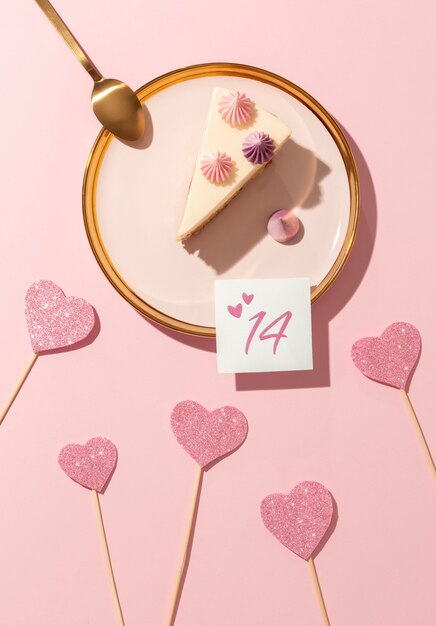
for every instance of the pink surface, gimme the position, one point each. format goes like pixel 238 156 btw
pixel 371 66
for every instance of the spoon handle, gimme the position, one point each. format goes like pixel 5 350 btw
pixel 69 38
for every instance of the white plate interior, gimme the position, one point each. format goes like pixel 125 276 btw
pixel 141 194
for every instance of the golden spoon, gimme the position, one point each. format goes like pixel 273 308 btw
pixel 116 106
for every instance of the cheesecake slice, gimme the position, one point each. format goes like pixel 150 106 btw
pixel 240 138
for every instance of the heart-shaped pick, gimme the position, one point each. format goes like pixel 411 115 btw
pixel 205 435
pixel 390 358
pixel 300 519
pixel 90 465
pixel 55 321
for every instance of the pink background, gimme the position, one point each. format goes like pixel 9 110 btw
pixel 372 68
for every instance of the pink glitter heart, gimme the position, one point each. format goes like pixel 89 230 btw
pixel 300 519
pixel 389 359
pixel 53 320
pixel 205 435
pixel 247 297
pixel 235 310
pixel 90 465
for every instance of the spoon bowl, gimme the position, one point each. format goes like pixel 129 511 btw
pixel 115 105
pixel 118 108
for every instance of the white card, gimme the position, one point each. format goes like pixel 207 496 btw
pixel 263 325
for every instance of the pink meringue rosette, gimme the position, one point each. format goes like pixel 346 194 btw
pixel 236 109
pixel 283 225
pixel 216 167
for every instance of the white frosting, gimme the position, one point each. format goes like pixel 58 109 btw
pixel 205 199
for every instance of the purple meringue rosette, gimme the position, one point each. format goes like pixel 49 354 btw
pixel 258 147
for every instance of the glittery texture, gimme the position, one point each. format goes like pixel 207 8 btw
pixel 53 320
pixel 301 519
pixel 235 108
pixel 216 167
pixel 389 359
pixel 90 465
pixel 205 435
pixel 258 148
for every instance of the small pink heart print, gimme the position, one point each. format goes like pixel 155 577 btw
pixel 300 519
pixel 205 435
pixel 390 358
pixel 53 320
pixel 247 297
pixel 235 310
pixel 90 465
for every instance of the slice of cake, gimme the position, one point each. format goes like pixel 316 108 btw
pixel 239 140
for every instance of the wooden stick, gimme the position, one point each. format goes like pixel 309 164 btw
pixel 188 538
pixel 110 571
pixel 18 386
pixel 318 591
pixel 419 431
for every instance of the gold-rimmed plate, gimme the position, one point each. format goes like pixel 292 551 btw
pixel 133 199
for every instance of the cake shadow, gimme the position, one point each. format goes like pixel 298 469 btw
pixel 334 300
pixel 291 180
